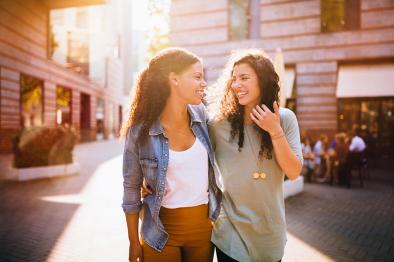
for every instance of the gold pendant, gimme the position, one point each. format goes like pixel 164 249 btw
pixel 261 175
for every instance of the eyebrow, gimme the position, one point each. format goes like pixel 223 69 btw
pixel 241 75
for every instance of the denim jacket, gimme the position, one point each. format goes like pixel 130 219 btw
pixel 149 161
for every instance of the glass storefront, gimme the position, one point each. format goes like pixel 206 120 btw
pixel 63 106
pixel 374 117
pixel 31 101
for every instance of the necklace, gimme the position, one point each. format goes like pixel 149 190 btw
pixel 256 175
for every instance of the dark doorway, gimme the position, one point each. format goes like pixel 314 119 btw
pixel 85 117
pixel 120 115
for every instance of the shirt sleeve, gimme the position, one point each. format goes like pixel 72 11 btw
pixel 209 119
pixel 292 133
pixel 132 176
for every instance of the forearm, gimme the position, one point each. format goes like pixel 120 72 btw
pixel 286 158
pixel 132 227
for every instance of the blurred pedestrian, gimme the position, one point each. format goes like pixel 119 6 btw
pixel 168 147
pixel 309 164
pixel 320 154
pixel 256 144
pixel 342 174
pixel 357 144
pixel 357 150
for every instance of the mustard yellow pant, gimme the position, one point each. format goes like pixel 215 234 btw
pixel 189 232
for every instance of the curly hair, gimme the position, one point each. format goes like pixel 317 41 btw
pixel 233 112
pixel 152 88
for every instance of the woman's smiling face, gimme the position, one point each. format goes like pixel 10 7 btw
pixel 190 85
pixel 245 85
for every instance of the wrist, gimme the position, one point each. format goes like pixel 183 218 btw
pixel 134 240
pixel 275 132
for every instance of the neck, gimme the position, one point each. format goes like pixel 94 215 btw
pixel 174 114
pixel 248 110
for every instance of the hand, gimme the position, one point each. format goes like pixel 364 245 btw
pixel 265 119
pixel 135 252
pixel 145 190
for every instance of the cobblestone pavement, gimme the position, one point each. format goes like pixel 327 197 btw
pixel 79 218
pixel 342 224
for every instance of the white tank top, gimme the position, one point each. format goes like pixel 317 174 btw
pixel 187 177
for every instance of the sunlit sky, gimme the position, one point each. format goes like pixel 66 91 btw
pixel 141 17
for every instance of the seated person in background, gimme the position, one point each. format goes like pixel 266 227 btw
pixel 357 144
pixel 356 149
pixel 309 164
pixel 319 151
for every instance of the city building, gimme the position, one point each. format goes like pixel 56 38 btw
pixel 339 55
pixel 64 63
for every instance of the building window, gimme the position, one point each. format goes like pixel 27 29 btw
pixel 69 41
pixel 244 19
pixel 78 51
pixel 374 117
pixel 340 15
pixel 239 19
pixel 82 18
pixel 31 101
pixel 63 106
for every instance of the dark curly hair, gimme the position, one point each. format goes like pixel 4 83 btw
pixel 152 88
pixel 233 112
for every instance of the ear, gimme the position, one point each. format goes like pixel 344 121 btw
pixel 173 78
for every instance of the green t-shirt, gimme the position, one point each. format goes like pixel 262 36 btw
pixel 251 225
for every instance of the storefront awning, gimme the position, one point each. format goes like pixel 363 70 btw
pixel 289 81
pixel 365 81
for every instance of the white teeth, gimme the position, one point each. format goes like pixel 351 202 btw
pixel 241 93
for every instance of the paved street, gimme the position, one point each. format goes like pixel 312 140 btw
pixel 342 224
pixel 79 218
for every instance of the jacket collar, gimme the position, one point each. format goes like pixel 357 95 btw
pixel 157 129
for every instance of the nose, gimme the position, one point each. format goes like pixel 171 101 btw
pixel 234 85
pixel 204 83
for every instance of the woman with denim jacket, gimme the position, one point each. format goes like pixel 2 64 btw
pixel 256 143
pixel 167 146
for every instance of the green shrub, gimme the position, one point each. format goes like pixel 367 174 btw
pixel 44 146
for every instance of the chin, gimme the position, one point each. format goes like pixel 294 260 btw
pixel 243 102
pixel 195 102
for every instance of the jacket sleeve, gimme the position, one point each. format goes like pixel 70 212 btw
pixel 132 175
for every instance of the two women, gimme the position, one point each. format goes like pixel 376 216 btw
pixel 255 144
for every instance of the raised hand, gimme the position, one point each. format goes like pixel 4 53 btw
pixel 265 119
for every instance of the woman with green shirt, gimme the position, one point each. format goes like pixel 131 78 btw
pixel 256 143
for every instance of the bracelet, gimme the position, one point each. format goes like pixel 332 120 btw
pixel 278 135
